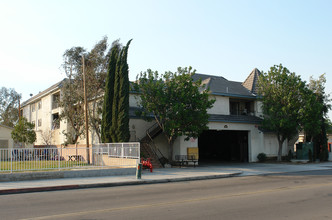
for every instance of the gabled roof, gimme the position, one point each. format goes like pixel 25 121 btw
pixel 252 80
pixel 220 86
pixel 45 92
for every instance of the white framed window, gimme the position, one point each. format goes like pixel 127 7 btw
pixel 40 104
pixel 55 121
pixel 39 122
pixel 33 106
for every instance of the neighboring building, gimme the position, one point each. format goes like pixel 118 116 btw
pixel 301 139
pixel 233 134
pixel 6 140
pixel 43 111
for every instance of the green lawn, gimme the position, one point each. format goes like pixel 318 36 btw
pixel 6 166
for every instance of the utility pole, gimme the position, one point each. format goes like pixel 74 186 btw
pixel 86 115
pixel 19 109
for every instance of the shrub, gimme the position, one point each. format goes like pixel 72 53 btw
pixel 261 157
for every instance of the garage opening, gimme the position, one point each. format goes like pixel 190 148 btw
pixel 223 146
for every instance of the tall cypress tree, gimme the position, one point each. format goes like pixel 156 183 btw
pixel 115 116
pixel 114 127
pixel 122 132
pixel 106 122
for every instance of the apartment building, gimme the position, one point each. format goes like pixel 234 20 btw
pixel 43 111
pixel 233 135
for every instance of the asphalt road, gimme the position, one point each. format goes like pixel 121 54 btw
pixel 303 195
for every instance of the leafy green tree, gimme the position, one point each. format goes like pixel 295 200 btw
pixel 72 101
pixel 329 126
pixel 9 100
pixel 178 104
pixel 24 132
pixel 96 65
pixel 321 100
pixel 311 115
pixel 282 95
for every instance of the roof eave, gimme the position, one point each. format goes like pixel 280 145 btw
pixel 233 95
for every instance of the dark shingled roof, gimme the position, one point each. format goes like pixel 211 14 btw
pixel 220 86
pixel 235 118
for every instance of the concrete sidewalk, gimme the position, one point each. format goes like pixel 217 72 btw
pixel 159 176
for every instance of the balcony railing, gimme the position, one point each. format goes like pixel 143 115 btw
pixel 55 105
pixel 242 112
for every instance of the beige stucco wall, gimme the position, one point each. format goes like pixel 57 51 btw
pixel 138 128
pixel 258 109
pixel 5 135
pixel 45 114
pixel 105 160
pixel 271 145
pixel 221 105
pixel 133 100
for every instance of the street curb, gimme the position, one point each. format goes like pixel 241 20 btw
pixel 124 183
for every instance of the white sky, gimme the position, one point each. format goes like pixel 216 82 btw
pixel 224 38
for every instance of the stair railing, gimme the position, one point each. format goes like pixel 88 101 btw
pixel 154 129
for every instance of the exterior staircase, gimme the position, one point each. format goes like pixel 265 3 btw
pixel 148 148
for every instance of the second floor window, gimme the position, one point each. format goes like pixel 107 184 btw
pixel 55 101
pixel 39 122
pixel 34 124
pixel 33 107
pixel 241 107
pixel 40 104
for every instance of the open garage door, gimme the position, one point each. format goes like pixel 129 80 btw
pixel 223 146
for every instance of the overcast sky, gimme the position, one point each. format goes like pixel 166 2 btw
pixel 223 38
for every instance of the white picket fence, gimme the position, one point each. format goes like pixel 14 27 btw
pixel 59 157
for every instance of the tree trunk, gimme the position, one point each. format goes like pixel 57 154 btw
pixel 170 150
pixel 280 141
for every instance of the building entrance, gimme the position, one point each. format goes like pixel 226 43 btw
pixel 223 146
